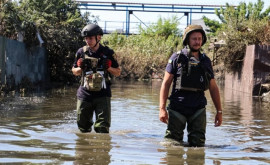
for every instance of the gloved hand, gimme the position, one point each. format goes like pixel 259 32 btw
pixel 107 63
pixel 80 63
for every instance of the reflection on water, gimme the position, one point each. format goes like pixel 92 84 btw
pixel 177 154
pixel 42 129
pixel 93 149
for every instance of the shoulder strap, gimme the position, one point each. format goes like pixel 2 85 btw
pixel 85 50
pixel 184 53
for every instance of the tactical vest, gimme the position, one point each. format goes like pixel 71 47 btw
pixel 191 74
pixel 95 76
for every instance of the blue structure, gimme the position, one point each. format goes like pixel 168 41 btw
pixel 187 10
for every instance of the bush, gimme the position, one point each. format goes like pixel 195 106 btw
pixel 144 55
pixel 141 56
pixel 242 26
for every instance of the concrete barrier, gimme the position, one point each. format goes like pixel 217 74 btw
pixel 255 71
pixel 17 62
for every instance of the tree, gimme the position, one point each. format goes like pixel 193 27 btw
pixel 59 23
pixel 236 16
pixel 9 19
pixel 213 25
pixel 163 27
pixel 242 25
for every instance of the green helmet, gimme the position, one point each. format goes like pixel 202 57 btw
pixel 91 30
pixel 193 28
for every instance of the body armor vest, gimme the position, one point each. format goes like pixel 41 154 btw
pixel 94 77
pixel 191 74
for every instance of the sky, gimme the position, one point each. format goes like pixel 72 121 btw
pixel 112 20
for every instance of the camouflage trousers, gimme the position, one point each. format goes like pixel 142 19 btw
pixel 101 107
pixel 196 127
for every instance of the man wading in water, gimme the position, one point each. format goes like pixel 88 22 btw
pixel 191 73
pixel 94 63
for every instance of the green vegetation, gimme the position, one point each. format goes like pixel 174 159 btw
pixel 240 26
pixel 146 55
pixel 214 26
pixel 141 56
pixel 59 23
pixel 163 27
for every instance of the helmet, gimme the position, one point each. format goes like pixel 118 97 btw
pixel 91 30
pixel 192 28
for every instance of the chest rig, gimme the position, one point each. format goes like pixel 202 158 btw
pixel 94 76
pixel 191 73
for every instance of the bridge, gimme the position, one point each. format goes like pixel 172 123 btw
pixel 130 8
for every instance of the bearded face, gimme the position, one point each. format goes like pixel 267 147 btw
pixel 195 41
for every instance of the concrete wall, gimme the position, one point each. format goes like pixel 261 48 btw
pixel 18 61
pixel 256 68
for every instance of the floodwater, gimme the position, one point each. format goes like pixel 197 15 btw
pixel 42 129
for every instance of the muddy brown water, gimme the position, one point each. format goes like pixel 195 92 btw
pixel 41 129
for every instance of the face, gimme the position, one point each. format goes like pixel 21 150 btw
pixel 195 41
pixel 91 41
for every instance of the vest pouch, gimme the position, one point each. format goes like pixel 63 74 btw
pixel 93 81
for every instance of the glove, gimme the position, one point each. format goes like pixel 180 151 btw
pixel 108 63
pixel 80 63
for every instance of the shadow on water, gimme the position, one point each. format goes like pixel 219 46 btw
pixel 41 129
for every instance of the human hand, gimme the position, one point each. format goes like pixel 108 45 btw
pixel 77 71
pixel 80 63
pixel 218 119
pixel 163 115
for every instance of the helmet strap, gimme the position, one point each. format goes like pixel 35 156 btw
pixel 97 41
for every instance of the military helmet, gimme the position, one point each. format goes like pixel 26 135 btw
pixel 91 30
pixel 192 28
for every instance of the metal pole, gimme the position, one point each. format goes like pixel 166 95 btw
pixel 186 14
pixel 140 20
pixel 190 22
pixel 127 21
pixel 105 31
pixel 123 27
